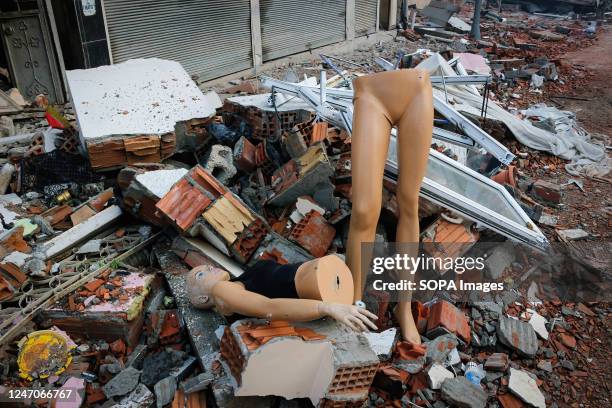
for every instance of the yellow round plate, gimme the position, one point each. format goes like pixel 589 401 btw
pixel 43 353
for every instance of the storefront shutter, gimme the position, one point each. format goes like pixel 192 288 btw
pixel 210 38
pixel 290 26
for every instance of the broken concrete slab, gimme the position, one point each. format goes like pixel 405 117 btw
pixel 159 182
pixel 122 383
pixel 107 319
pixel 436 375
pixel 137 111
pixel 460 392
pixel 137 97
pixel 200 324
pixel 197 383
pixel 517 335
pixel 523 386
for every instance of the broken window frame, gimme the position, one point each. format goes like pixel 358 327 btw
pixel 528 233
pixel 332 105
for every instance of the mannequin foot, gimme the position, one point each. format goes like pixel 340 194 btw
pixel 403 314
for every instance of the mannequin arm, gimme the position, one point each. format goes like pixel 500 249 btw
pixel 235 299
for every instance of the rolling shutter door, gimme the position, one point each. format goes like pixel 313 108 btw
pixel 365 17
pixel 210 38
pixel 290 26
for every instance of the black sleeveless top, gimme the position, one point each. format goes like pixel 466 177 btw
pixel 270 279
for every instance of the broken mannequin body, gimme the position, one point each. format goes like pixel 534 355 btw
pixel 401 98
pixel 297 292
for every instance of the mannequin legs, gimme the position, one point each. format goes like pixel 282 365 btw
pixel 402 98
pixel 414 141
pixel 369 145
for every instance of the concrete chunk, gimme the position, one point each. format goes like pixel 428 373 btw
pixel 517 335
pixel 440 347
pixel 141 397
pixel 122 383
pixel 573 234
pixel 164 391
pixel 460 392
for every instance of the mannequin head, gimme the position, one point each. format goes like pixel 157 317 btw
pixel 200 282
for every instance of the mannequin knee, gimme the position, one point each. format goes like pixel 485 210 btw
pixel 364 215
pixel 408 204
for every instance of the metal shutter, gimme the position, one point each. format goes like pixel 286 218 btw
pixel 210 38
pixel 290 26
pixel 365 17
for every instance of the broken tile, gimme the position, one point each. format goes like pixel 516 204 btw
pixel 77 387
pixel 568 340
pixel 538 322
pixel 526 388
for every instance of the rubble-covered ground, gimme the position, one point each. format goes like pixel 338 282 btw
pixel 118 349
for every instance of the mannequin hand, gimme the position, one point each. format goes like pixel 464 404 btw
pixel 357 318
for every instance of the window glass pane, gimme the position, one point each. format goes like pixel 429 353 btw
pixel 465 185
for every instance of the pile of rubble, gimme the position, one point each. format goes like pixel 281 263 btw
pixel 102 224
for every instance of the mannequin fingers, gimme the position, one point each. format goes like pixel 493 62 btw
pixel 367 321
pixel 358 323
pixel 349 323
pixel 368 314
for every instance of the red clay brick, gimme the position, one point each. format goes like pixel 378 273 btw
pixel 313 233
pixel 443 314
